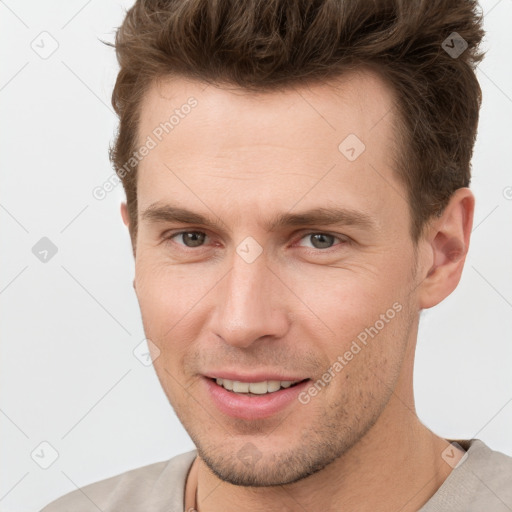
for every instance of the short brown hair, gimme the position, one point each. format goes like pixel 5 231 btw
pixel 264 45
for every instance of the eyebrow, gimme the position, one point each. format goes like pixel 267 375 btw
pixel 157 213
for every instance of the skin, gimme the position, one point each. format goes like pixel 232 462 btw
pixel 241 158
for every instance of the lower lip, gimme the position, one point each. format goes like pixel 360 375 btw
pixel 252 407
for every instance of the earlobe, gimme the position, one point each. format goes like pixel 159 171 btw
pixel 448 240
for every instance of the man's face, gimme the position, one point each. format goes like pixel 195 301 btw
pixel 238 300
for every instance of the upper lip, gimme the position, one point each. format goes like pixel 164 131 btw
pixel 253 377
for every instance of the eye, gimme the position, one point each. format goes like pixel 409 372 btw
pixel 318 240
pixel 190 239
pixel 322 240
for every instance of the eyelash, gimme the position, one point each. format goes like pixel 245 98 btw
pixel 341 238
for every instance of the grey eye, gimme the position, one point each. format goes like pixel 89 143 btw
pixel 192 238
pixel 321 240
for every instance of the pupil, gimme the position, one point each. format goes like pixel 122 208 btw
pixel 322 237
pixel 194 237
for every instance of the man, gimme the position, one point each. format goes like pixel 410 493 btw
pixel 297 177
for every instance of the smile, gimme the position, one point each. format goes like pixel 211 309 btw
pixel 255 388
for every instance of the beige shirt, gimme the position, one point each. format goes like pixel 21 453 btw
pixel 481 482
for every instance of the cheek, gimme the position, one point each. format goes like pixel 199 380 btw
pixel 174 302
pixel 365 322
pixel 367 364
pixel 168 293
pixel 347 301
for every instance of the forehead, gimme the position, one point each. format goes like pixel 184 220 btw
pixel 269 146
pixel 353 103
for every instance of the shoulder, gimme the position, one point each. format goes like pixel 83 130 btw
pixel 481 481
pixel 158 486
pixel 492 469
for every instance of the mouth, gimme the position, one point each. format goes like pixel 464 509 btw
pixel 254 400
pixel 255 388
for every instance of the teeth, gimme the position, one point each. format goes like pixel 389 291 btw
pixel 273 385
pixel 257 388
pixel 240 387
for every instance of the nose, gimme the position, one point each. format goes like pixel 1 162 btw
pixel 250 305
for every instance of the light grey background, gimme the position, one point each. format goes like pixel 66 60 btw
pixel 68 375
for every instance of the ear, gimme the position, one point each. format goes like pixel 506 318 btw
pixel 124 214
pixel 126 221
pixel 447 239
